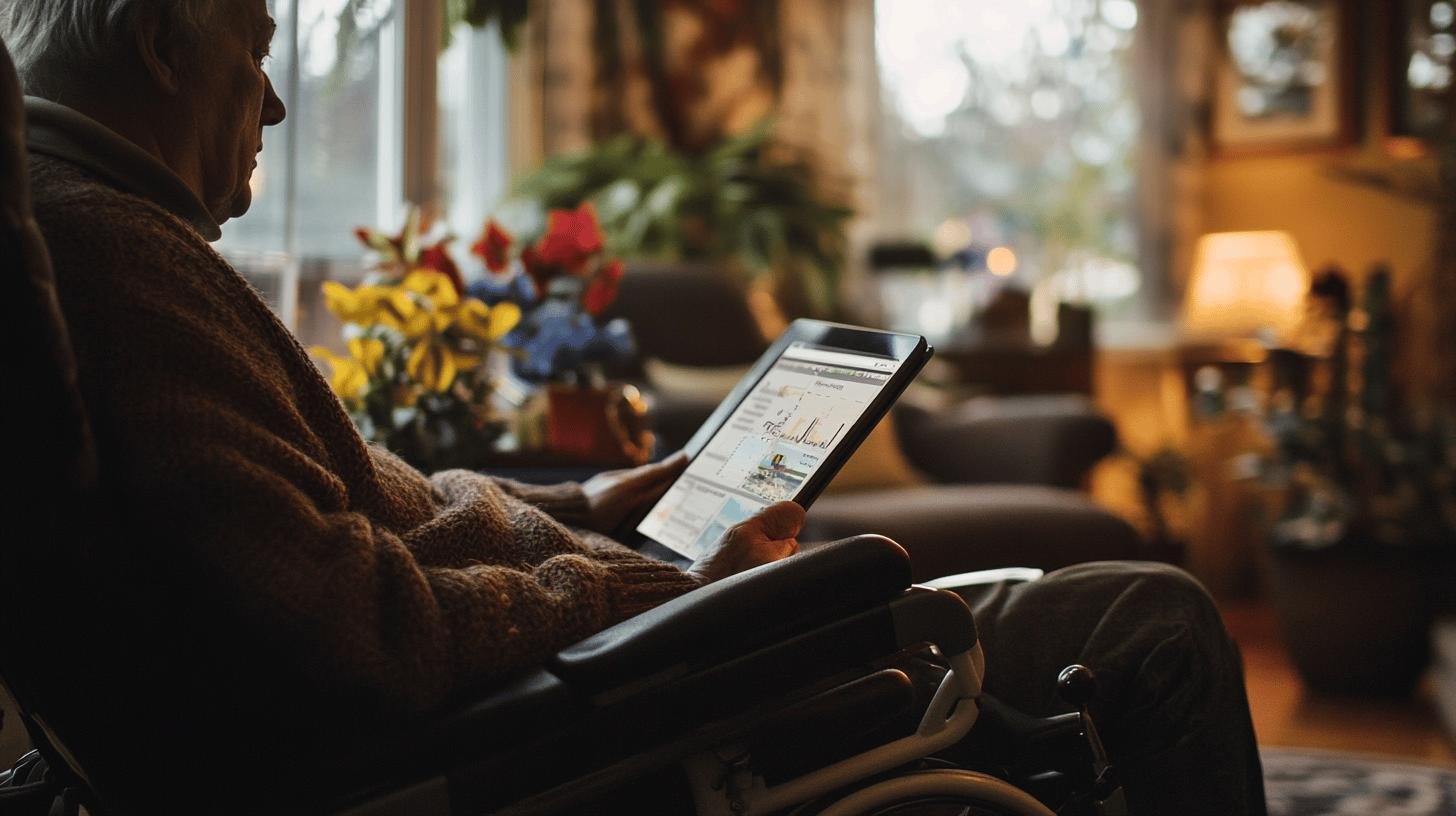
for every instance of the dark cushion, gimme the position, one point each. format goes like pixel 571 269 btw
pixel 949 529
pixel 1049 440
pixel 689 314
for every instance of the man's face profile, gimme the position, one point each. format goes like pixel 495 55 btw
pixel 234 101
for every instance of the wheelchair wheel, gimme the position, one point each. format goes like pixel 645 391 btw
pixel 939 792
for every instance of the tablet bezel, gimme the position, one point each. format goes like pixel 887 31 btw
pixel 911 350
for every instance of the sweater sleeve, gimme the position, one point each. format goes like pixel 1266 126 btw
pixel 228 461
pixel 564 502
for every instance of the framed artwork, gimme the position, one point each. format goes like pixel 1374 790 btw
pixel 1284 76
pixel 1423 57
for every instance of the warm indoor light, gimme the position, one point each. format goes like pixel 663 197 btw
pixel 952 236
pixel 1001 261
pixel 1246 284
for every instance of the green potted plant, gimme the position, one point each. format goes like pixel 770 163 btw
pixel 741 203
pixel 1364 521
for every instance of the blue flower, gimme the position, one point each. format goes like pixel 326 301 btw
pixel 515 287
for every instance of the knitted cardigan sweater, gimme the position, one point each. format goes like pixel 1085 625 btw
pixel 246 494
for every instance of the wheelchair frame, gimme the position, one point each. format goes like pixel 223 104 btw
pixel 660 662
pixel 714 757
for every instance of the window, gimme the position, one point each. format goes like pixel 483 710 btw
pixel 1008 137
pixel 473 137
pixel 339 160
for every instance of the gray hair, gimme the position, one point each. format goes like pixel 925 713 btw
pixel 54 42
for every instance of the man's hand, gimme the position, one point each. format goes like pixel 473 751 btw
pixel 767 536
pixel 613 495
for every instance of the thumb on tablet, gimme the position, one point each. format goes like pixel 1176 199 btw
pixel 780 520
pixel 769 535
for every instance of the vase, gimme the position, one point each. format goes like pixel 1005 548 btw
pixel 1356 619
pixel 598 425
pixel 435 446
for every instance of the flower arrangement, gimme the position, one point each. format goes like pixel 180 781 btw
pixel 415 377
pixel 562 284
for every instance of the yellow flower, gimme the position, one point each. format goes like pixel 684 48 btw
pixel 349 378
pixel 432 364
pixel 486 323
pixel 424 307
pixel 370 305
pixel 424 322
pixel 368 352
pixel 433 285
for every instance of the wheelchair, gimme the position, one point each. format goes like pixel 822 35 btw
pixel 822 684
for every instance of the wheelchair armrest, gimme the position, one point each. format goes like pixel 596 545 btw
pixel 964 580
pixel 734 615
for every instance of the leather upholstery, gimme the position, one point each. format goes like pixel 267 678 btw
pixel 1036 440
pixel 849 574
pixel 670 307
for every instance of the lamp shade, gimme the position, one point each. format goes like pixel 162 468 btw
pixel 1246 284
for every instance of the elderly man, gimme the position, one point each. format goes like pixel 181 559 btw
pixel 291 579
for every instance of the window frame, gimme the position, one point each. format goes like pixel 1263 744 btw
pixel 409 155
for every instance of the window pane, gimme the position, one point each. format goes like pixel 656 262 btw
pixel 348 122
pixel 263 228
pixel 473 160
pixel 1010 130
pixel 334 164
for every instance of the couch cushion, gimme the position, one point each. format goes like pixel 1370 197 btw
pixel 957 528
pixel 1048 439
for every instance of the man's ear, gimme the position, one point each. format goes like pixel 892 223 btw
pixel 157 49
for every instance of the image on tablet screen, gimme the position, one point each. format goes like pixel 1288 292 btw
pixel 773 442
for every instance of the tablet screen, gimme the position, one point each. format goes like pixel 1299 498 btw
pixel 775 439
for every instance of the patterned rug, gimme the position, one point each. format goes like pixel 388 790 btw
pixel 1301 782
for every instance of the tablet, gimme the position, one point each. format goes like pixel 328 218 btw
pixel 782 433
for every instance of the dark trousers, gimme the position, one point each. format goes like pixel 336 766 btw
pixel 1170 704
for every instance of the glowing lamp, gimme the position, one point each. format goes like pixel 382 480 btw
pixel 1246 285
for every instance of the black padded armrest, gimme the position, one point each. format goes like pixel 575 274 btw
pixel 736 614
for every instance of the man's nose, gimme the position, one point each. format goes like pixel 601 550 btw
pixel 274 111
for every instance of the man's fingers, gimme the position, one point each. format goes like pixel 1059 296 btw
pixel 781 520
pixel 651 492
pixel 650 476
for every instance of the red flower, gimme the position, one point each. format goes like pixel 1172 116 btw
pixel 541 273
pixel 438 259
pixel 602 291
pixel 493 247
pixel 572 237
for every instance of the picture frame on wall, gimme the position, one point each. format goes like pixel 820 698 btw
pixel 1422 68
pixel 1284 80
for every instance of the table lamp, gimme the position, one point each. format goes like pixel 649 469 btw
pixel 1246 285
